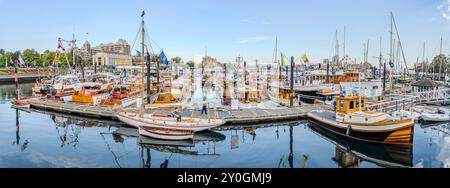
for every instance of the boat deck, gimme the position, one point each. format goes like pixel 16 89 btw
pixel 330 115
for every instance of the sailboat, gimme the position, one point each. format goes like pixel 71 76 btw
pixel 163 126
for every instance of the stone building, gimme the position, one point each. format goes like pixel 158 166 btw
pixel 111 59
pixel 111 54
pixel 119 47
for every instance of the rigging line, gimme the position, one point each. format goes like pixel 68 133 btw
pixel 151 47
pixel 147 39
pixel 333 47
pixel 400 42
pixel 135 38
pixel 151 40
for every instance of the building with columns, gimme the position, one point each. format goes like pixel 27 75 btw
pixel 111 54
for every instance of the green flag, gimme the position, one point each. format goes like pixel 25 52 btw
pixel 282 59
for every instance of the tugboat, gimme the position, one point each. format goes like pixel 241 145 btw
pixel 350 121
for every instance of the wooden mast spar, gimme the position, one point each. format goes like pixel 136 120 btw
pixel 142 64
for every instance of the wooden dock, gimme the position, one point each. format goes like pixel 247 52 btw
pixel 23 78
pixel 73 108
pixel 242 116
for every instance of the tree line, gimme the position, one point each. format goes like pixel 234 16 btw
pixel 33 58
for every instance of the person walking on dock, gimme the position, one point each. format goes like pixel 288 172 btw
pixel 53 93
pixel 204 107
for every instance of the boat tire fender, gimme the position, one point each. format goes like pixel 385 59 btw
pixel 349 129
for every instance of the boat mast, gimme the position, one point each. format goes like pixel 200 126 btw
pixel 344 43
pixel 142 64
pixel 440 61
pixel 337 50
pixel 381 56
pixel 400 43
pixel 423 60
pixel 391 42
pixel 359 92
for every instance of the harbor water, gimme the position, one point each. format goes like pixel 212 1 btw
pixel 47 139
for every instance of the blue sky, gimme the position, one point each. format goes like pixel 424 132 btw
pixel 230 27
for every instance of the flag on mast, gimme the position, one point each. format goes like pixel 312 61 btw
pixel 22 62
pixel 60 45
pixel 282 59
pixel 305 59
pixel 163 58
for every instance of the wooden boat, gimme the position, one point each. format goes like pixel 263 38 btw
pixel 168 97
pixel 65 86
pixel 21 102
pixel 41 87
pixel 350 151
pixel 152 120
pixel 121 95
pixel 92 93
pixel 376 127
pixel 166 133
pixel 163 127
pixel 404 79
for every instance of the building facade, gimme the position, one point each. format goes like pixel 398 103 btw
pixel 119 47
pixel 111 54
pixel 111 59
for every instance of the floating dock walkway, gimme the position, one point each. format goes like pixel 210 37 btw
pixel 242 116
pixel 72 108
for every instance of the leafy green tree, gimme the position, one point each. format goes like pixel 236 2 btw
pixel 440 60
pixel 5 58
pixel 191 64
pixel 176 60
pixel 15 55
pixel 31 57
pixel 47 57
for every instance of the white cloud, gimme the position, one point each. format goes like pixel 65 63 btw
pixel 439 7
pixel 446 16
pixel 255 39
pixel 246 21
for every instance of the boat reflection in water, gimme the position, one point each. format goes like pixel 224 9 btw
pixel 68 127
pixel 350 153
pixel 181 147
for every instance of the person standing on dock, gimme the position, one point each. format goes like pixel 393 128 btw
pixel 204 107
pixel 53 93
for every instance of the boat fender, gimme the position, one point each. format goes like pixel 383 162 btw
pixel 349 129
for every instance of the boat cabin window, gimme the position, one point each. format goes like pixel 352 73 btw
pixel 352 105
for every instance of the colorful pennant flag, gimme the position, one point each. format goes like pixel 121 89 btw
pixel 60 45
pixel 305 59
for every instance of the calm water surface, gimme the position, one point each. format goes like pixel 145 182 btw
pixel 38 139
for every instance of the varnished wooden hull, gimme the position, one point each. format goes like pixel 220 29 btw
pixel 382 154
pixel 401 136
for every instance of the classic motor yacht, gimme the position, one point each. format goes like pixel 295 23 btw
pixel 350 121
